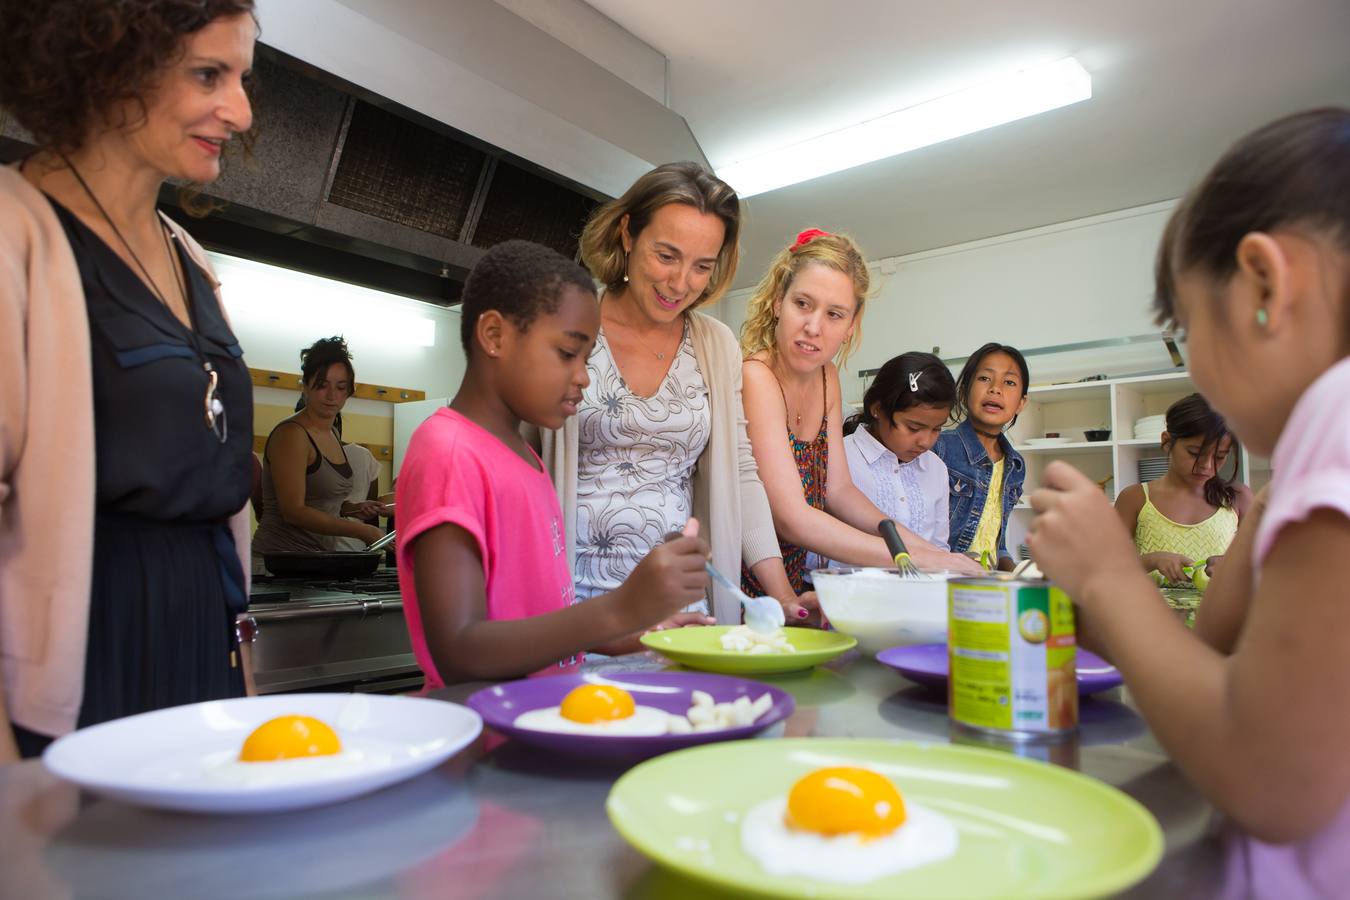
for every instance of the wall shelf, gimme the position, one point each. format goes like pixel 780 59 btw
pixel 1117 403
pixel 1073 448
pixel 291 381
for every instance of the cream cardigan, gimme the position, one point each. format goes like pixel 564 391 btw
pixel 47 462
pixel 729 499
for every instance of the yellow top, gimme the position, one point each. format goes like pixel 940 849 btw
pixel 991 518
pixel 1155 533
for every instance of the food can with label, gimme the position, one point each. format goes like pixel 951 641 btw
pixel 1012 656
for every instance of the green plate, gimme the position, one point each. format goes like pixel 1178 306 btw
pixel 701 648
pixel 1027 829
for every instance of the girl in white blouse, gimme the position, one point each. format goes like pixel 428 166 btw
pixel 889 443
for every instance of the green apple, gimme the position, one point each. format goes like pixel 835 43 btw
pixel 1200 578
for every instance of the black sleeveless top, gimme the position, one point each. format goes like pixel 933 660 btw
pixel 167 582
pixel 156 457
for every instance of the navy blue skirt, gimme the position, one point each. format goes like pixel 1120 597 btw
pixel 161 618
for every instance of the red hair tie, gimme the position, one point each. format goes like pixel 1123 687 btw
pixel 807 237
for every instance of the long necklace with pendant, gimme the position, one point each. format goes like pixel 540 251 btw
pixel 212 404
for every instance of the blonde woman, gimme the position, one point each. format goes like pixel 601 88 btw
pixel 805 313
pixel 659 435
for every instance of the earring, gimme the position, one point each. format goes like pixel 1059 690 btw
pixel 1262 318
pixel 625 268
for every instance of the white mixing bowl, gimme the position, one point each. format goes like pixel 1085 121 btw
pixel 881 609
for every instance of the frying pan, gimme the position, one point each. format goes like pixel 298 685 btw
pixel 338 565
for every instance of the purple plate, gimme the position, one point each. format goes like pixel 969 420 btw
pixel 669 691
pixel 926 664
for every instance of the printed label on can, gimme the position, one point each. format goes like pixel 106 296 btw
pixel 1012 657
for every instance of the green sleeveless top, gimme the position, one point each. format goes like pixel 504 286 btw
pixel 1155 533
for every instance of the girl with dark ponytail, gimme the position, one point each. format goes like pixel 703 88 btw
pixel 1255 266
pixel 889 443
pixel 1189 516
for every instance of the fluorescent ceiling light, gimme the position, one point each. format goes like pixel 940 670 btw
pixel 307 307
pixel 1018 95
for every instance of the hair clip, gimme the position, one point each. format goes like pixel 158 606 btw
pixel 913 382
pixel 806 237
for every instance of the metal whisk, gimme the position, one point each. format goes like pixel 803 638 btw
pixel 891 535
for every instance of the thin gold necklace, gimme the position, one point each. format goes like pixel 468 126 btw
pixel 659 354
pixel 798 416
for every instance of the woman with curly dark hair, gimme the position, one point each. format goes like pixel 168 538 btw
pixel 125 408
pixel 307 475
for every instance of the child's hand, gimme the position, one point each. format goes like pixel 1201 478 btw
pixel 1170 565
pixel 1077 539
pixel 668 578
pixel 962 565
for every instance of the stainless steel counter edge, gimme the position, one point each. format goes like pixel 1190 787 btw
pixel 501 820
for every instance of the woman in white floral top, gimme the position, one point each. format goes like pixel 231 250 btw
pixel 660 433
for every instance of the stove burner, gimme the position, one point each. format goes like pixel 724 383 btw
pixel 271 589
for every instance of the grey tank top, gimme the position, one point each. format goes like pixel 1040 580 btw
pixel 327 486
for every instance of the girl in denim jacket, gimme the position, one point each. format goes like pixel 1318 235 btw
pixel 985 472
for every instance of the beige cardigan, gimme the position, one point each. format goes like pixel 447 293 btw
pixel 729 499
pixel 47 462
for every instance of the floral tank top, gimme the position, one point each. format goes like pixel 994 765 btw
pixel 812 458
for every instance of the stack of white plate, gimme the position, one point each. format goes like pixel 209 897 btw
pixel 1149 428
pixel 1152 468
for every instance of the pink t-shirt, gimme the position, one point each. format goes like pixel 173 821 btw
pixel 1311 471
pixel 456 472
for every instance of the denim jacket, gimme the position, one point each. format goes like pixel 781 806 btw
pixel 968 471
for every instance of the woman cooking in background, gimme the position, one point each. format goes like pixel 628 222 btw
pixel 364 503
pixel 307 476
pixel 126 412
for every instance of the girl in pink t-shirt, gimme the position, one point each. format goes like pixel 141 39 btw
pixel 481 550
pixel 1255 265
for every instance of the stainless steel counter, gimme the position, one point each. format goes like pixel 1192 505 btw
pixel 322 634
pixel 502 821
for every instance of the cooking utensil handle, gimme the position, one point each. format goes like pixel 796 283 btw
pixel 381 543
pixel 721 579
pixel 891 535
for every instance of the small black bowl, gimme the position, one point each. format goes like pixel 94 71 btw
pixel 1098 434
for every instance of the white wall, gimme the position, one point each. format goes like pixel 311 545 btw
pixel 276 312
pixel 1081 280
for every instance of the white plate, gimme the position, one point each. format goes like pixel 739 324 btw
pixel 1045 441
pixel 165 759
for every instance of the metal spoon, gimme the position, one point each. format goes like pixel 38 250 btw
pixel 762 614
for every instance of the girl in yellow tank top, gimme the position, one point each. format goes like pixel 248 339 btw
pixel 1190 515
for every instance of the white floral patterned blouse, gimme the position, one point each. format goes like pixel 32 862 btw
pixel 636 456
